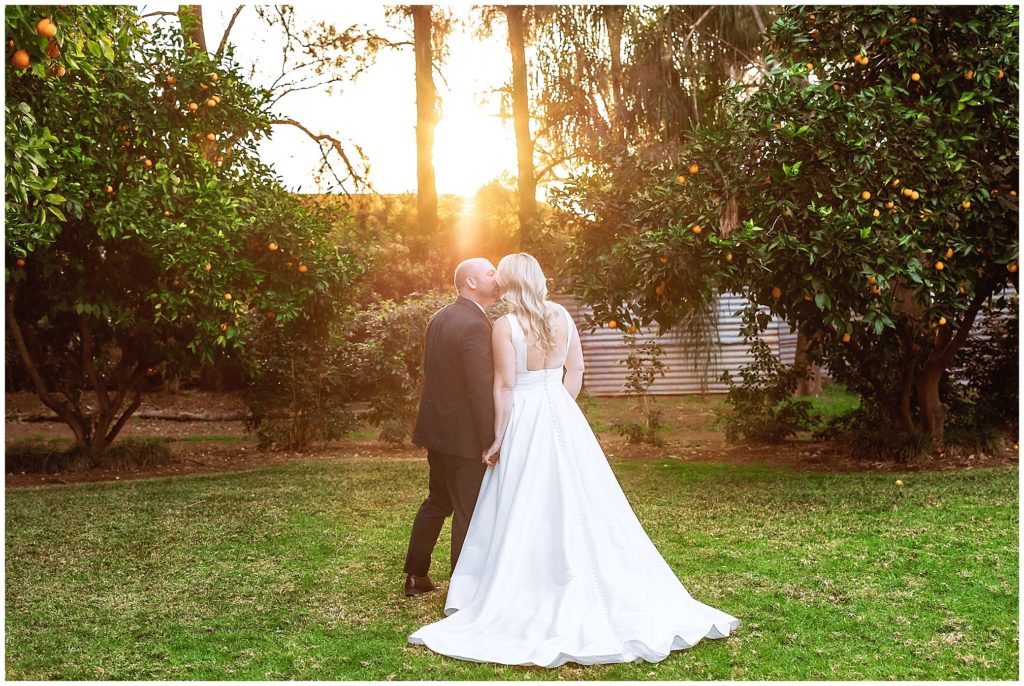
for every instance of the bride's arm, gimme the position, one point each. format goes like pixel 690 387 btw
pixel 504 381
pixel 574 364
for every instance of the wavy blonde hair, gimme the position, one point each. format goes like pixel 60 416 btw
pixel 525 290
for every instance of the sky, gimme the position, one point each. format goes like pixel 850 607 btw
pixel 473 145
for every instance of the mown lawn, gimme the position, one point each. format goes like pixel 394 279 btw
pixel 294 571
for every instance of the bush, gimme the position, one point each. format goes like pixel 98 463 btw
pixel 50 457
pixel 982 387
pixel 763 407
pixel 301 383
pixel 387 340
pixel 644 364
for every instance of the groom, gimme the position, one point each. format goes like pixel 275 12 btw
pixel 456 416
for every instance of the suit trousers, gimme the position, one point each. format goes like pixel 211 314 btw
pixel 453 488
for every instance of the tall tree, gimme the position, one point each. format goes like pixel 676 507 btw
pixel 426 118
pixel 516 19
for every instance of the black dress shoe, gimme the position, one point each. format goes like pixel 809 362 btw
pixel 418 585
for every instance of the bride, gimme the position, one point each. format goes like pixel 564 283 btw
pixel 555 566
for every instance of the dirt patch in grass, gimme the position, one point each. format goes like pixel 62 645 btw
pixel 202 447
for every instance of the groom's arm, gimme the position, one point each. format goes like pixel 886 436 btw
pixel 478 370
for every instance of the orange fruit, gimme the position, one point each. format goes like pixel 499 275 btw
pixel 942 321
pixel 302 269
pixel 20 262
pixel 1012 267
pixel 216 98
pixel 167 213
pixel 681 179
pixel 776 292
pixel 192 106
pixel 213 77
pixel 211 136
pixel 728 257
pixel 815 34
pixel 908 191
pixel 1000 74
pixel 1013 194
pixel 227 296
pixel 872 280
pixel 811 17
pixel 270 314
pixel 171 80
pixel 632 328
pixel 866 195
pixel 876 213
pixel 223 327
pixel 889 205
pixel 108 189
pixel 778 125
pixel 148 163
pixel 966 204
pixel 694 169
pixel 836 87
pixel 46 28
pixel 203 86
pixel 20 60
pixel 807 297
pixel 696 229
pixel 915 76
pixel 939 266
pixel 612 324
pixel 915 195
pixel 208 267
pixel 272 247
pixel 210 102
pixel 969 74
pixel 875 290
pixel 52 50
pixel 895 182
pixel 663 260
pixel 810 67
pixel 913 20
pixel 846 338
pixel 949 253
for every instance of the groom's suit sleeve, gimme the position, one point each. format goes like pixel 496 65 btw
pixel 478 370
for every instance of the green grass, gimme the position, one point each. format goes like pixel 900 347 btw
pixel 834 401
pixel 294 571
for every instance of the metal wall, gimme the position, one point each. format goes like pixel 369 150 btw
pixel 603 349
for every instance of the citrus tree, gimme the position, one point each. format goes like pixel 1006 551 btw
pixel 864 189
pixel 141 226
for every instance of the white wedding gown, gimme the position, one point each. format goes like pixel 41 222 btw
pixel 556 567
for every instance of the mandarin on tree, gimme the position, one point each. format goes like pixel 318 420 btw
pixel 46 28
pixel 20 59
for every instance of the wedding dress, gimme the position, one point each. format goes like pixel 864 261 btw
pixel 556 567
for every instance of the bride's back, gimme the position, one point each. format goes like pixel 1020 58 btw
pixel 559 324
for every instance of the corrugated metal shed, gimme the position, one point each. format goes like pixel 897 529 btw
pixel 604 348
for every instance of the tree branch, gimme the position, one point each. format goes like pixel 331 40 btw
pixel 319 138
pixel 224 38
pixel 696 24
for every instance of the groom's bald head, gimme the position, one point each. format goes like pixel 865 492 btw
pixel 475 279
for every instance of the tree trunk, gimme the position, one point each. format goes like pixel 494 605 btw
pixel 613 17
pixel 426 120
pixel 932 411
pixel 521 118
pixel 809 381
pixel 191 18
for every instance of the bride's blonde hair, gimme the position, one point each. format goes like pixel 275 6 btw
pixel 525 290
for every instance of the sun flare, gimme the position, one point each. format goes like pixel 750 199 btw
pixel 471 147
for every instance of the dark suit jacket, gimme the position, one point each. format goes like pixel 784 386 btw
pixel 456 413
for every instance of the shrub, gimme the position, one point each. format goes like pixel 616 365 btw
pixel 35 456
pixel 763 407
pixel 982 387
pixel 644 364
pixel 387 340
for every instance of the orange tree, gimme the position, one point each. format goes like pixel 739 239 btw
pixel 865 191
pixel 141 226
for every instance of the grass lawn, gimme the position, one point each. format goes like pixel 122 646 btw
pixel 294 571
